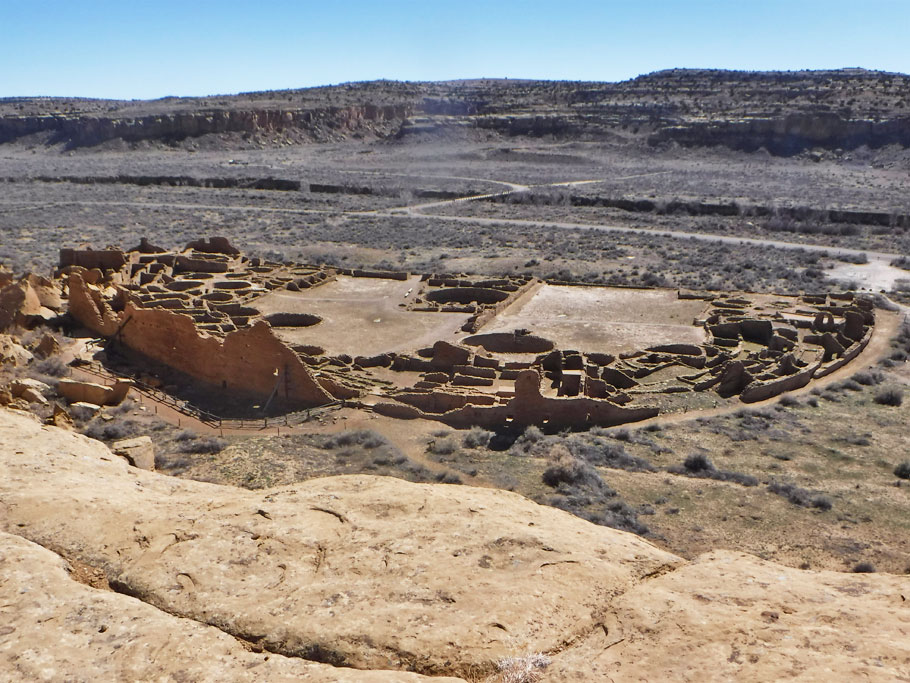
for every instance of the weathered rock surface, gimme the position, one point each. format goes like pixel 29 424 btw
pixel 729 616
pixel 29 390
pixel 366 571
pixel 55 629
pixel 12 352
pixel 379 573
pixel 139 451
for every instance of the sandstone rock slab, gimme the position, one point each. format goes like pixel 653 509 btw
pixel 369 572
pixel 379 573
pixel 75 391
pixel 54 628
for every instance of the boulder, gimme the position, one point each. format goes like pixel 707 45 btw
pixel 139 451
pixel 33 396
pixel 82 411
pixel 48 346
pixel 74 391
pixel 214 245
pixel 60 417
pixel 19 386
pixel 12 352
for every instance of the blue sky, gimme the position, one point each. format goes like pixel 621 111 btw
pixel 138 49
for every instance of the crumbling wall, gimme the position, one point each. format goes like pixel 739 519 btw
pixel 851 353
pixel 529 407
pixel 213 245
pixel 250 361
pixel 88 307
pixel 759 391
pixel 103 259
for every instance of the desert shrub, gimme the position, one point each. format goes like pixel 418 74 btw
pixel 699 466
pixel 812 401
pixel 620 515
pixel 477 437
pixel 902 471
pixel 788 401
pixel 800 496
pixel 506 481
pixel 172 464
pixel 869 378
pixel 698 462
pixel 889 396
pixel 354 437
pixel 112 430
pixel 448 477
pixel 850 385
pixel 202 444
pixel 864 568
pixel 622 435
pixel 126 406
pixel 569 470
pixel 51 367
pixel 606 454
pixel 445 446
pixel 531 434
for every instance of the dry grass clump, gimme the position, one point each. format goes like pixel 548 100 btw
pixel 526 669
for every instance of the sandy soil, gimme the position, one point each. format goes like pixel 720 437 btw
pixel 604 320
pixel 361 316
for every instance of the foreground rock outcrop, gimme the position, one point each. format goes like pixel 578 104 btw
pixel 54 628
pixel 377 573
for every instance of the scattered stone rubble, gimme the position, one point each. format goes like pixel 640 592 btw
pixel 195 310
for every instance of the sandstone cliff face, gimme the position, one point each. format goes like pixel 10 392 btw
pixel 789 134
pixel 81 131
pixel 785 112
pixel 379 573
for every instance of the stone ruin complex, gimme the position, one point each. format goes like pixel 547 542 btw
pixel 198 311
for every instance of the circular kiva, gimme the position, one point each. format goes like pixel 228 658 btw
pixel 292 319
pixel 466 295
